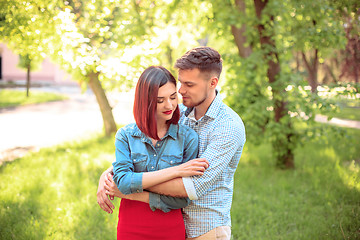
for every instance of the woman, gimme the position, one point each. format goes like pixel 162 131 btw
pixel 154 150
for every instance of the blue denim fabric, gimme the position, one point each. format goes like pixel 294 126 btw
pixel 136 154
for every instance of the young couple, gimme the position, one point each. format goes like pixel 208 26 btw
pixel 156 172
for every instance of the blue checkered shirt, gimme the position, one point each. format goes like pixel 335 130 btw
pixel 221 140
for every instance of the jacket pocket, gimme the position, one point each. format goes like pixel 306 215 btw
pixel 170 161
pixel 140 161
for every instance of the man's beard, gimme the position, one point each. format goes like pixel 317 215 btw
pixel 199 102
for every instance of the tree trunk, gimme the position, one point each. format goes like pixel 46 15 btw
pixel 28 79
pixel 238 33
pixel 106 110
pixel 286 156
pixel 330 72
pixel 312 69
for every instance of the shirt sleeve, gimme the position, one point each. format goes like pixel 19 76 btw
pixel 124 176
pixel 166 203
pixel 223 143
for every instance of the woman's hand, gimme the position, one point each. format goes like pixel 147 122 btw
pixel 111 188
pixel 193 167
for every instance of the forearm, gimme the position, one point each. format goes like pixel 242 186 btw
pixel 142 197
pixel 150 179
pixel 174 188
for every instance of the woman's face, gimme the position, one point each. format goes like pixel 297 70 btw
pixel 166 102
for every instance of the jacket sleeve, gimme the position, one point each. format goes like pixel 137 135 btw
pixel 125 178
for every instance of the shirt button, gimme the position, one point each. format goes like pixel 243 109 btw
pixel 171 161
pixel 154 155
pixel 196 123
pixel 134 160
pixel 152 167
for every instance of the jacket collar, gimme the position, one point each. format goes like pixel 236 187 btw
pixel 172 132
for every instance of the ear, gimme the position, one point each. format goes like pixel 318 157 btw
pixel 213 82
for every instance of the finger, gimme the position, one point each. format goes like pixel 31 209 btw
pixel 106 177
pixel 107 182
pixel 108 202
pixel 110 177
pixel 103 205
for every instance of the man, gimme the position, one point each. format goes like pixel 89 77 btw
pixel 221 140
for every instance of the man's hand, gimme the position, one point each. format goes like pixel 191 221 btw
pixel 102 198
pixel 112 189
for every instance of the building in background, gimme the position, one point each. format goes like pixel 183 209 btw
pixel 48 72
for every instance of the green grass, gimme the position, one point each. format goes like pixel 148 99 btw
pixel 52 194
pixel 348 109
pixel 13 98
pixel 320 199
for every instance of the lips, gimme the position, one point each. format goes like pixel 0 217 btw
pixel 168 112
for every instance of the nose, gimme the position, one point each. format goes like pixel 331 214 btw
pixel 181 89
pixel 168 104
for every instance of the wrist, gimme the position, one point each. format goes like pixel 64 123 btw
pixel 175 173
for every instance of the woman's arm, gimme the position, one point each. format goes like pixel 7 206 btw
pixel 129 181
pixel 164 203
pixel 191 168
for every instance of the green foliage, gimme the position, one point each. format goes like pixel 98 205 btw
pixel 27 27
pixel 292 26
pixel 26 62
pixel 52 194
pixel 13 98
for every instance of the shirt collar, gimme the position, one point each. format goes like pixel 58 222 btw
pixel 212 111
pixel 172 132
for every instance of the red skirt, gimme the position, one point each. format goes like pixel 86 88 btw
pixel 138 222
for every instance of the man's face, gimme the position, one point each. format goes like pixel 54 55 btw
pixel 194 88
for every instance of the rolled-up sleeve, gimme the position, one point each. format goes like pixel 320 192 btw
pixel 124 176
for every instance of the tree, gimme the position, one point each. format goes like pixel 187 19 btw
pixel 28 64
pixel 94 33
pixel 26 28
pixel 317 32
pixel 265 86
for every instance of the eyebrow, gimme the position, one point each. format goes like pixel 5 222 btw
pixel 170 95
pixel 185 82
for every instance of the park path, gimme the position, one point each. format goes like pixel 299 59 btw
pixel 29 128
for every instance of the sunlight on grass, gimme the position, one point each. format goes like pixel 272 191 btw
pixel 52 194
pixel 13 98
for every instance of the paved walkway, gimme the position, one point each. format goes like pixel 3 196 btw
pixel 28 128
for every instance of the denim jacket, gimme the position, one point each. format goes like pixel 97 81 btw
pixel 136 154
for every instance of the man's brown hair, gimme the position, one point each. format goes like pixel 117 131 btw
pixel 206 59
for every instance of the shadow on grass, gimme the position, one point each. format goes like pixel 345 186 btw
pixel 20 215
pixel 317 200
pixel 51 194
